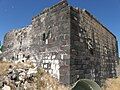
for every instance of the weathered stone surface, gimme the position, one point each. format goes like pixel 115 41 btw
pixel 68 43
pixel 6 87
pixel 19 79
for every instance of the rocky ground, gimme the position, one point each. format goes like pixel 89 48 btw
pixel 24 76
pixel 20 76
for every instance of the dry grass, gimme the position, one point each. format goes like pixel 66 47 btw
pixel 5 65
pixel 47 82
pixel 43 80
pixel 112 84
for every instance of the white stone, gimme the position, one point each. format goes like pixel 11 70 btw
pixel 62 56
pixel 4 59
pixel 45 66
pixel 6 87
pixel 32 71
pixel 54 67
pixel 22 76
pixel 46 41
pixel 25 85
pixel 49 57
pixel 53 57
pixel 0 52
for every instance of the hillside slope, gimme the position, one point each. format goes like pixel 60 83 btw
pixel 28 78
pixel 43 80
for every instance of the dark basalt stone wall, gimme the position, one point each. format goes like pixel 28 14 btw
pixel 67 42
pixel 51 41
pixel 94 53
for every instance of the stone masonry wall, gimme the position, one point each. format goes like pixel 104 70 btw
pixel 51 41
pixel 46 40
pixel 17 44
pixel 94 52
pixel 67 42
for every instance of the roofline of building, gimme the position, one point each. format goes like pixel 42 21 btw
pixel 52 7
pixel 84 10
pixel 92 16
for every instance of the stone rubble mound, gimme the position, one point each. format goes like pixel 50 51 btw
pixel 25 76
pixel 19 79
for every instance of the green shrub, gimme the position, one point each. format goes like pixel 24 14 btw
pixel 1 48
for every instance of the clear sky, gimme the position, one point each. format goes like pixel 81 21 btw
pixel 18 13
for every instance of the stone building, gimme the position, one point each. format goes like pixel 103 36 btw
pixel 67 42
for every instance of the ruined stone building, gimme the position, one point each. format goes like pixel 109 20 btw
pixel 67 42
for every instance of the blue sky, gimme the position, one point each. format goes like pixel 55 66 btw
pixel 18 13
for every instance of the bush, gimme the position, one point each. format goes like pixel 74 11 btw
pixel 1 48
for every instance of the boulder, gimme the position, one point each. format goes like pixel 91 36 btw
pixel 6 87
pixel 32 71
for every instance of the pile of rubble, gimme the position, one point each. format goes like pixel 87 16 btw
pixel 26 76
pixel 19 79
